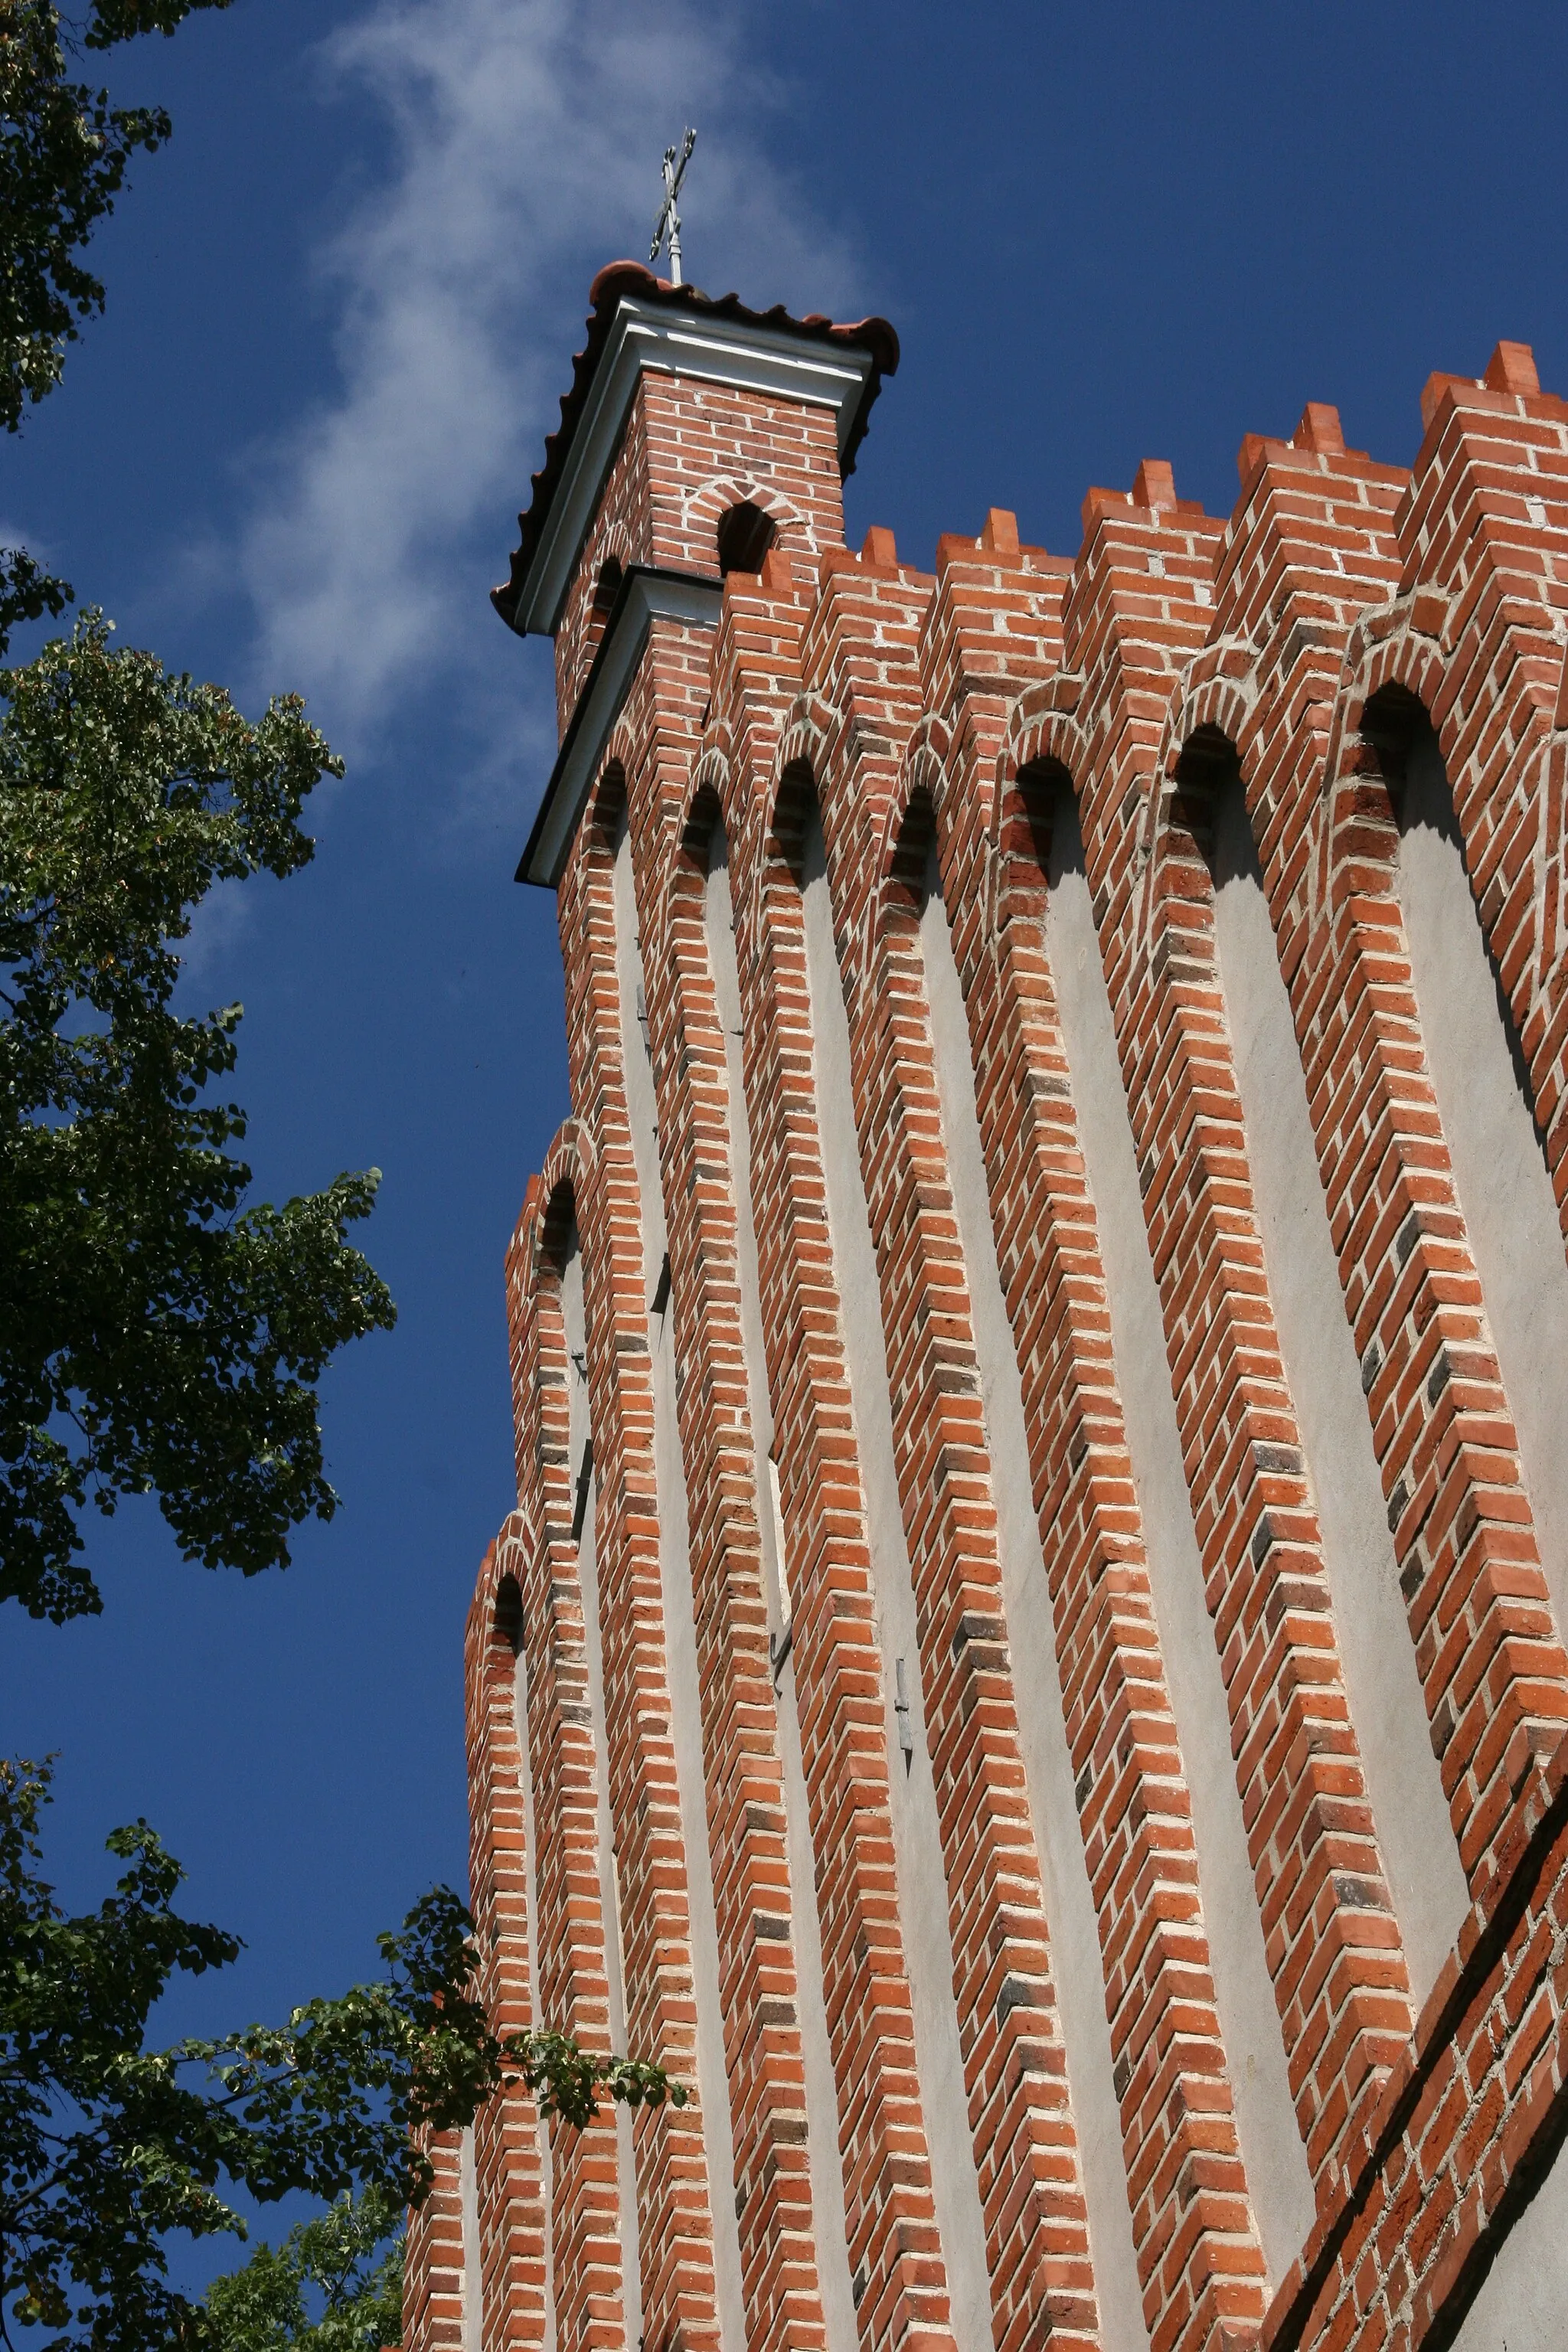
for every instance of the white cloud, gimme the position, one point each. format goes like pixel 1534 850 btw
pixel 525 146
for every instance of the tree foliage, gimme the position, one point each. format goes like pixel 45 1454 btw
pixel 64 154
pixel 154 1335
pixel 107 2147
pixel 335 2284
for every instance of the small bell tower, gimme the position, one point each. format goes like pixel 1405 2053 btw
pixel 698 434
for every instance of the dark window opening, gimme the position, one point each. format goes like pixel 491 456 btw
pixel 1395 723
pixel 915 874
pixel 1233 848
pixel 508 1613
pixel 1042 794
pixel 745 535
pixel 1208 776
pixel 1060 828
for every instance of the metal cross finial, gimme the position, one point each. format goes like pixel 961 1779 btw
pixel 668 225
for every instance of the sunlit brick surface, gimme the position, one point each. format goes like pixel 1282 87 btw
pixel 1318 2145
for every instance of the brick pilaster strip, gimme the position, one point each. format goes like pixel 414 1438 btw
pixel 432 2257
pixel 1331 1938
pixel 1199 2258
pixel 1014 2063
pixel 1492 1667
pixel 893 2242
pixel 1467 2125
pixel 1319 544
pixel 994 630
pixel 1486 526
pixel 743 1772
pixel 674 2216
pixel 570 1956
pixel 512 2251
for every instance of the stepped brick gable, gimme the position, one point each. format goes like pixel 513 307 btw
pixel 1027 1668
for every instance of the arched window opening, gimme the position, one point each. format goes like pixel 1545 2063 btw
pixel 607 809
pixel 1026 836
pixel 1208 778
pixel 745 535
pixel 1393 722
pixel 704 820
pixel 796 815
pixel 914 876
pixel 508 1614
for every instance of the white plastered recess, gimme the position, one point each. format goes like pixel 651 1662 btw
pixel 1420 1854
pixel 1077 1971
pixel 917 1843
pixel 1271 2145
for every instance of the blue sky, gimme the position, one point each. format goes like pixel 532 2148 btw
pixel 343 306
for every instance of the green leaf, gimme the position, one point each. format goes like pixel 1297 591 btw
pixel 64 154
pixel 157 1334
pixel 107 2148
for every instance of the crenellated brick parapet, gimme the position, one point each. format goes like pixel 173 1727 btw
pixel 1028 1667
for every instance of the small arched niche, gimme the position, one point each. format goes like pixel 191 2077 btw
pixel 744 536
pixel 1026 819
pixel 508 1614
pixel 796 826
pixel 914 872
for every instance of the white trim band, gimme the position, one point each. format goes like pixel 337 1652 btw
pixel 645 595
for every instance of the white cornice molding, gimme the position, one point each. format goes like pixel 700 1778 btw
pixel 645 595
pixel 682 344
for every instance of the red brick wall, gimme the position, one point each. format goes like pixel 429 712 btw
pixel 916 708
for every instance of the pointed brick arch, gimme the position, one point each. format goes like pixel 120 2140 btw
pixel 1215 705
pixel 712 799
pixel 1044 735
pixel 1391 645
pixel 514 2256
pixel 712 501
pixel 920 799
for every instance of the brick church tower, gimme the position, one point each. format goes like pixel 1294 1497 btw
pixel 1028 1667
